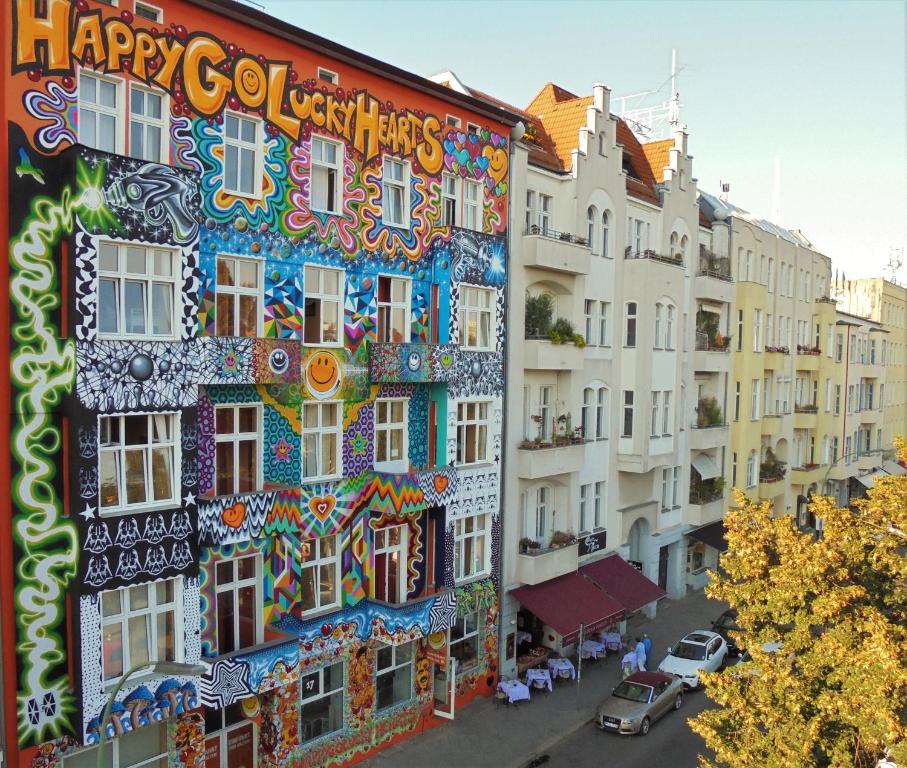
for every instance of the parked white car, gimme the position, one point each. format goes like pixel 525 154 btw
pixel 699 651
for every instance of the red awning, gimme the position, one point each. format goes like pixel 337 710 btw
pixel 567 602
pixel 623 582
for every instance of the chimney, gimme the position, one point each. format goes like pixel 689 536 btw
pixel 601 98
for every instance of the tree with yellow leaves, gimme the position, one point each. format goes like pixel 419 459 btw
pixel 834 693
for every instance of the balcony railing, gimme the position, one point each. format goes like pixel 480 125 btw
pixel 708 414
pixel 716 343
pixel 675 260
pixel 826 300
pixel 553 234
pixel 779 350
pixel 705 494
pixel 806 409
pixel 712 265
pixel 771 474
pixel 804 349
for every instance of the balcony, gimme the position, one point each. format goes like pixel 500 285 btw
pixel 538 565
pixel 805 416
pixel 556 251
pixel 870 416
pixel 711 353
pixel 708 437
pixel 544 355
pixel 674 260
pixel 775 358
pixel 807 358
pixel 713 279
pixel 545 460
pixel 771 479
pixel 706 503
pixel 771 424
pixel 412 363
pixel 245 360
pixel 807 474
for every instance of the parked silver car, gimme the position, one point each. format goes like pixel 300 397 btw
pixel 639 701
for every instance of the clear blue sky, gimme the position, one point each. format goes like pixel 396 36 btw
pixel 820 85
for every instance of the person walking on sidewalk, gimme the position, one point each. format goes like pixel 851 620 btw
pixel 647 642
pixel 640 655
pixel 628 664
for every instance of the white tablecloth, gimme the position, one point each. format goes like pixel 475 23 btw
pixel 522 636
pixel 612 640
pixel 592 648
pixel 539 674
pixel 562 665
pixel 514 690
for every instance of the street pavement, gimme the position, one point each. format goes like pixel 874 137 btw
pixel 554 729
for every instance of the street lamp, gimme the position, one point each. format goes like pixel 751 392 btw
pixel 158 667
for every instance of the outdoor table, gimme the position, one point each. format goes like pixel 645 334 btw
pixel 535 658
pixel 542 676
pixel 557 666
pixel 612 640
pixel 514 690
pixel 592 648
pixel 523 637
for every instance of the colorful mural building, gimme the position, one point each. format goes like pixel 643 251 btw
pixel 256 342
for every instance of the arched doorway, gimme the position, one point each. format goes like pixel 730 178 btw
pixel 637 540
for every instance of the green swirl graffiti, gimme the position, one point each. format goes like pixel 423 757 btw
pixel 42 369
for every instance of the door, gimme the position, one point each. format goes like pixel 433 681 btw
pixel 445 683
pixel 663 567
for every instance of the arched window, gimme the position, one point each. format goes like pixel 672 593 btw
pixel 630 334
pixel 606 223
pixel 684 242
pixel 658 312
pixel 673 243
pixel 669 328
pixel 751 477
pixel 588 398
pixel 601 414
pixel 591 218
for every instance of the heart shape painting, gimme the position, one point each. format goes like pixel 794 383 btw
pixel 322 506
pixel 441 482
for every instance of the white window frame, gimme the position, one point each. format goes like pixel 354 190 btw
pixel 469 307
pixel 162 123
pixel 316 564
pixel 666 423
pixel 383 546
pixel 384 429
pixel 628 317
pixel 545 212
pixel 604 324
pixel 669 327
pixel 475 526
pixel 119 451
pixel 117 112
pixel 385 329
pixel 589 313
pixel 397 184
pixel 115 748
pixel 126 614
pixel 242 144
pixel 656 412
pixel 320 165
pixel 585 492
pixel 327 76
pixel 235 437
pixel 598 505
pixel 148 278
pixel 627 408
pixel 321 694
pixel 606 232
pixel 477 422
pixel 318 432
pixel 658 330
pixel 450 200
pixel 467 636
pixel 538 522
pixel 158 13
pixel 234 586
pixel 222 735
pixel 393 667
pixel 472 205
pixel 237 291
pixel 319 294
pixel 602 402
pixel 752 474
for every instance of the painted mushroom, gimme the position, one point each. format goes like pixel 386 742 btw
pixel 167 695
pixel 139 702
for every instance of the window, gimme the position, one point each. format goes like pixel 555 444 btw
pixel 323 305
pixel 604 331
pixel 393 308
pixel 589 307
pixel 658 310
pixel 138 461
pixel 757 330
pixel 472 433
pixel 237 446
pixel 238 297
pixel 242 155
pixel 539 521
pixel 390 434
pixel 672 244
pixel 837 399
pixel 464 642
pixel 145 11
pixel 599 505
pixel 666 414
pixel 827 395
pixel 472 550
pixel 737 401
pixel 455 122
pixel 139 626
pixel 475 317
pixel 327 173
pixel 389 580
pixel 318 562
pixel 544 212
pixel 670 488
pixel 545 420
pixel 327 76
pixel 669 327
pixel 627 427
pixel 144 747
pixel 751 470
pixel 147 125
pixel 656 411
pixel 754 399
pixel 395 193
pixel 394 675
pixel 770 277
pixel 591 221
pixel 231 739
pixel 585 492
pixel 136 291
pixel 472 205
pixel 99 104
pixel 237 599
pixel 630 337
pixel 322 702
pixel 606 238
pixel 321 440
pixel 531 209
pixel 739 330
pixel 733 469
pixel 601 414
pixel 601 144
pixel 450 200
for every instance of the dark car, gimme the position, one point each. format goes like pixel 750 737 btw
pixel 723 625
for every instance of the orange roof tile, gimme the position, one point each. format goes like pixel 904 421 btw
pixel 640 180
pixel 658 155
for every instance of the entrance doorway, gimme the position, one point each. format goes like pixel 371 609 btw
pixel 663 555
pixel 445 687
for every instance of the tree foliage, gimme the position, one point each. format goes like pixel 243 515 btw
pixel 835 692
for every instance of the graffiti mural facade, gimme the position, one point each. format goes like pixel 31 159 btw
pixel 256 362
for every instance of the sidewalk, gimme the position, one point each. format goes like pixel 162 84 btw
pixel 487 734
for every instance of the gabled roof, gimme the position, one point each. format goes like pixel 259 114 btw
pixel 658 155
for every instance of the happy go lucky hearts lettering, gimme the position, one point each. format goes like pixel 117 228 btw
pixel 52 42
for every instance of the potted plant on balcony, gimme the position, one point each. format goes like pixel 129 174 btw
pixel 562 539
pixel 524 544
pixel 708 413
pixel 539 310
pixel 533 546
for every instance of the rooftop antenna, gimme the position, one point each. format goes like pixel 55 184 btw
pixel 674 113
pixel 654 121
